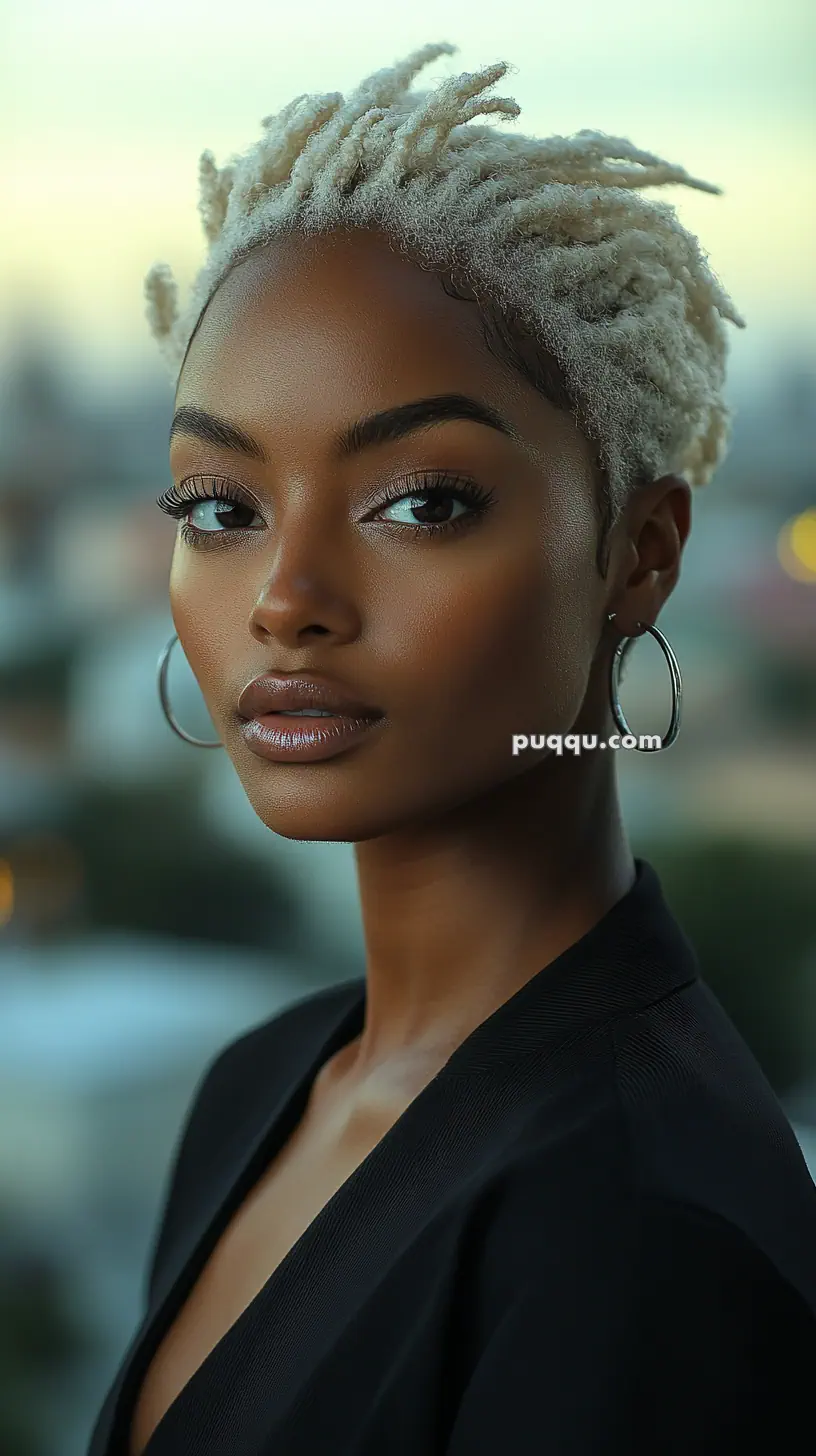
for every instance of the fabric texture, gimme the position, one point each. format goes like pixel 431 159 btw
pixel 592 1234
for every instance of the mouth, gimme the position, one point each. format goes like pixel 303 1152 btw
pixel 297 697
pixel 300 713
pixel 305 735
pixel 300 719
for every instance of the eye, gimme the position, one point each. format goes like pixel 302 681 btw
pixel 442 503
pixel 214 514
pixel 435 507
pixel 216 502
pixel 432 503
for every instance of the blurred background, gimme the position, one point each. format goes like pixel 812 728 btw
pixel 121 972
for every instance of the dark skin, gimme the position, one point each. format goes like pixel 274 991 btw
pixel 476 868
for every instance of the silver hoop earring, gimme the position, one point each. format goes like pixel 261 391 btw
pixel 164 660
pixel 674 673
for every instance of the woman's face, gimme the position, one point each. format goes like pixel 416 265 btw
pixel 461 636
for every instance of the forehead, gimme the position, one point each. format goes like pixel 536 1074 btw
pixel 308 333
pixel 301 307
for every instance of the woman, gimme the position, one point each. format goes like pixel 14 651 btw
pixel 522 1186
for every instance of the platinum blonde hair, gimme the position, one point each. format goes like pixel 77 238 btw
pixel 598 295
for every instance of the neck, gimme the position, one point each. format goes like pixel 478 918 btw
pixel 460 913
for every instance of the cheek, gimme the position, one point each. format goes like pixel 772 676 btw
pixel 207 632
pixel 185 607
pixel 504 649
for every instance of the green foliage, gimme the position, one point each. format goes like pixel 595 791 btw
pixel 40 1339
pixel 152 865
pixel 787 691
pixel 749 910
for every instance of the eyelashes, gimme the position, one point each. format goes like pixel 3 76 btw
pixel 179 501
pixel 428 491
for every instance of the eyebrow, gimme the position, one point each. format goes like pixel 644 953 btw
pixel 378 429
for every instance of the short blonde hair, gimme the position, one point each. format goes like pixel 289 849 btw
pixel 548 236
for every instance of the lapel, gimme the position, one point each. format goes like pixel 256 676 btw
pixel 635 955
pixel 246 1155
pixel 328 1275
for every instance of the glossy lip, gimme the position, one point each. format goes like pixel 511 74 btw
pixel 278 694
pixel 303 740
pixel 265 703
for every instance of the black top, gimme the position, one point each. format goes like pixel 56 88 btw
pixel 593 1232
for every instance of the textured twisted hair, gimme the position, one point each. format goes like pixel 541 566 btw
pixel 596 295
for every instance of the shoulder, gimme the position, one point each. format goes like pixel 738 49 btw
pixel 268 1057
pixel 682 1272
pixel 289 1033
pixel 688 1340
pixel 708 1303
pixel 239 1089
pixel 704 1261
pixel 704 1129
pixel 658 1126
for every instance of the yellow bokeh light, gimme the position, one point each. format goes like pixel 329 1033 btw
pixel 796 546
pixel 6 892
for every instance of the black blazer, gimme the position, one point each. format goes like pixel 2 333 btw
pixel 593 1232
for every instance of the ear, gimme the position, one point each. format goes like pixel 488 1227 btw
pixel 653 531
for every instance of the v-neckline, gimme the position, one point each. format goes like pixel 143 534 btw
pixel 276 1128
pixel 316 1277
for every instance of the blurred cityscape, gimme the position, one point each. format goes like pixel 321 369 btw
pixel 147 917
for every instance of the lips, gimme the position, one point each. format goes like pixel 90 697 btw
pixel 269 694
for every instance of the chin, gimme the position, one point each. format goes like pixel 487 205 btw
pixel 316 802
pixel 322 818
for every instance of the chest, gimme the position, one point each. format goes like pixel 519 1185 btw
pixel 299 1182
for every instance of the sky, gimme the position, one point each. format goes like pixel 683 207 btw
pixel 105 109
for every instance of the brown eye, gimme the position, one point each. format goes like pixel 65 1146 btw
pixel 433 512
pixel 216 515
pixel 435 502
pixel 222 507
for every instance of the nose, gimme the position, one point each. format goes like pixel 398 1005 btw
pixel 303 595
